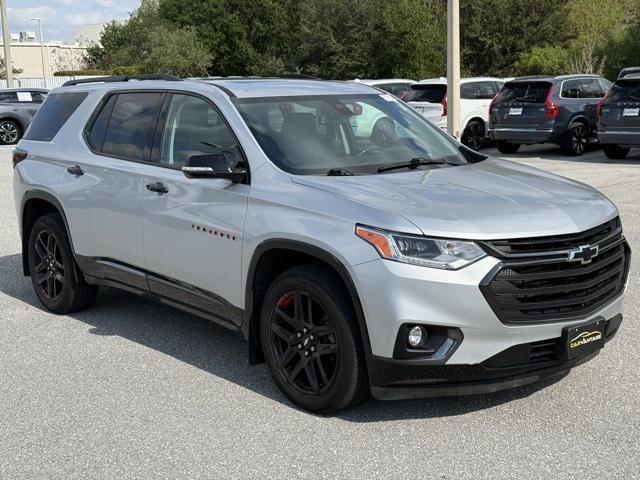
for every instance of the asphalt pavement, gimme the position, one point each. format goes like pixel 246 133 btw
pixel 133 389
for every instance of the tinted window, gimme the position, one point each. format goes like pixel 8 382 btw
pixel 38 97
pixel 591 88
pixel 194 127
pixel 625 91
pixel 131 126
pixel 384 86
pixel 604 84
pixel 8 97
pixel 468 91
pixel 529 92
pixel 426 93
pixel 399 89
pixel 572 89
pixel 99 128
pixel 485 90
pixel 53 114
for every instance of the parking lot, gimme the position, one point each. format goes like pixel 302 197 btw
pixel 133 389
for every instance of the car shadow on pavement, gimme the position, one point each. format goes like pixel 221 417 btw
pixel 224 353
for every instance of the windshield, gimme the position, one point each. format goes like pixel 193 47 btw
pixel 311 135
pixel 530 92
pixel 426 93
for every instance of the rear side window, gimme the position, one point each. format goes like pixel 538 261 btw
pixel 468 91
pixel 124 128
pixel 53 114
pixel 528 92
pixel 572 89
pixel 426 93
pixel 8 97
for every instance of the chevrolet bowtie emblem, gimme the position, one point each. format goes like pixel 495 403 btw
pixel 582 254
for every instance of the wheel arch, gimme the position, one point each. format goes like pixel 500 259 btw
pixel 36 203
pixel 270 259
pixel 16 119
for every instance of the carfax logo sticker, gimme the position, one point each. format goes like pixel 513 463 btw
pixel 584 338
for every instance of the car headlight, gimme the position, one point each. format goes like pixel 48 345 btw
pixel 424 251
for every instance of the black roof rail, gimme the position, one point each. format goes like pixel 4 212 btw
pixel 299 76
pixel 122 78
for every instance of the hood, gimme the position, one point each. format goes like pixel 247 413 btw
pixel 493 199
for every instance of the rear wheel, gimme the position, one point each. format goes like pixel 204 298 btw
pixel 507 147
pixel 52 268
pixel 9 132
pixel 473 135
pixel 615 152
pixel 576 140
pixel 384 132
pixel 311 340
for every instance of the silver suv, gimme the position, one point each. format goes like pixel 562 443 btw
pixel 402 265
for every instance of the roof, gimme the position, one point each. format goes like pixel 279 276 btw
pixel 443 80
pixel 380 81
pixel 277 87
pixel 550 78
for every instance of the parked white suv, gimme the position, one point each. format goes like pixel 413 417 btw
pixel 429 98
pixel 414 267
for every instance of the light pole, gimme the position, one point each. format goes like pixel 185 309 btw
pixel 44 72
pixel 6 39
pixel 453 67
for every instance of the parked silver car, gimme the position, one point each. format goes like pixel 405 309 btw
pixel 17 108
pixel 405 268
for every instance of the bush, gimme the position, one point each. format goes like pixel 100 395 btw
pixel 543 61
pixel 80 73
pixel 126 70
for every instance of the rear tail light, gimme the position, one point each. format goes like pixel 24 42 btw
pixel 552 109
pixel 357 108
pixel 444 105
pixel 599 106
pixel 18 156
pixel 492 106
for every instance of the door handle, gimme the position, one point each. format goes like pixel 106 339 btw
pixel 75 170
pixel 157 187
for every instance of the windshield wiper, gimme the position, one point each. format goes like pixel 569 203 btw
pixel 339 172
pixel 413 164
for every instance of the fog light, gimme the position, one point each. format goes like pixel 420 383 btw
pixel 416 336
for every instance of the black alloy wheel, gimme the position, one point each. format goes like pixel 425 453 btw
pixel 473 135
pixel 311 340
pixel 49 266
pixel 384 132
pixel 303 341
pixel 577 140
pixel 57 281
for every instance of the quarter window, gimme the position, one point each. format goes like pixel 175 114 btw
pixel 129 133
pixel 194 127
pixel 53 114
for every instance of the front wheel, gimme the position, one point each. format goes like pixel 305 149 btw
pixel 615 152
pixel 507 147
pixel 311 340
pixel 473 135
pixel 576 140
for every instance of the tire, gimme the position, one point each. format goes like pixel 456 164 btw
pixel 473 135
pixel 576 139
pixel 10 132
pixel 58 284
pixel 507 147
pixel 317 360
pixel 383 132
pixel 615 152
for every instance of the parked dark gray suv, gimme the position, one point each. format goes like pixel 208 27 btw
pixel 17 108
pixel 619 115
pixel 546 109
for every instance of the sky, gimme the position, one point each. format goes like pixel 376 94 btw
pixel 61 19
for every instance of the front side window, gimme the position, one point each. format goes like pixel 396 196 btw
pixel 312 135
pixel 131 125
pixel 194 127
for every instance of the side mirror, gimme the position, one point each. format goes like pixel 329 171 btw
pixel 213 165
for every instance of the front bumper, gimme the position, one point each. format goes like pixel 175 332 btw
pixel 517 366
